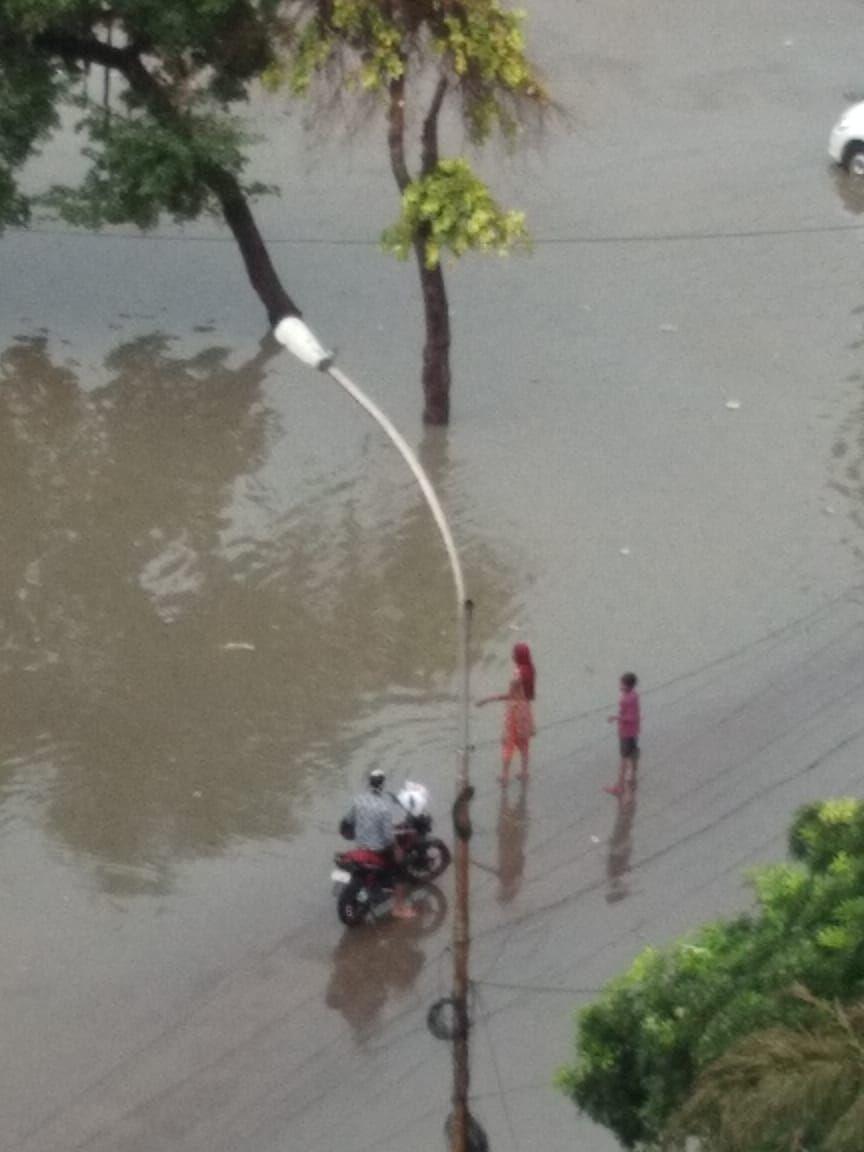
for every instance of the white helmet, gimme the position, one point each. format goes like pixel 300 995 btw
pixel 377 779
pixel 414 798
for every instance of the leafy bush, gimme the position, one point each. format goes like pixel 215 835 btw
pixel 141 169
pixel 642 1045
pixel 451 208
pixel 824 829
pixel 783 1088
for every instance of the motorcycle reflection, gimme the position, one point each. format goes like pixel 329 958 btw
pixel 371 966
pixel 512 835
pixel 621 847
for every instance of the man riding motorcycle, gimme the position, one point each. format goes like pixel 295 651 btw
pixel 372 817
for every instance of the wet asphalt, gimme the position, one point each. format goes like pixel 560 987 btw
pixel 223 600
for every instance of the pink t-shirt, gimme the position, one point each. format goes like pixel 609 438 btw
pixel 628 715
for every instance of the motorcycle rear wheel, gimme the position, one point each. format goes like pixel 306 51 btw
pixel 428 862
pixel 352 909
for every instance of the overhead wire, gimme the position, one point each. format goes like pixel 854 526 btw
pixel 548 241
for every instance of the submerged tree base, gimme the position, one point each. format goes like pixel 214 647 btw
pixel 436 410
pixel 436 353
pixel 475 51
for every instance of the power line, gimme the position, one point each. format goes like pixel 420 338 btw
pixel 612 239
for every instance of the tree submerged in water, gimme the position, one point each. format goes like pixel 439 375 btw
pixel 167 143
pixel 416 56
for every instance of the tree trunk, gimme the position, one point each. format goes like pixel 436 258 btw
pixel 223 183
pixel 436 350
pixel 262 275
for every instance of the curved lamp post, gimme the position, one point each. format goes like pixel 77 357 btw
pixel 299 339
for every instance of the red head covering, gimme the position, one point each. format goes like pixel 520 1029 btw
pixel 525 665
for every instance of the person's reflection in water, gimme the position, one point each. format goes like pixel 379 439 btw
pixel 369 964
pixel 512 833
pixel 621 847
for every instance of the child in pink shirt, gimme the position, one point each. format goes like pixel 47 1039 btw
pixel 629 721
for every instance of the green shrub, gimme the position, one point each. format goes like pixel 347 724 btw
pixel 642 1044
pixel 824 829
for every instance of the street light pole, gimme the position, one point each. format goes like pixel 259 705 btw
pixel 298 338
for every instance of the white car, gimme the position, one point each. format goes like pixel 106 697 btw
pixel 846 145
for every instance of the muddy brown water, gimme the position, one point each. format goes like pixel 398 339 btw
pixel 222 599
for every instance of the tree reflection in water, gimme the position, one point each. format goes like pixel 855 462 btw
pixel 144 531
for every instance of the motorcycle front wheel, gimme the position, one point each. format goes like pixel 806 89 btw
pixel 353 904
pixel 428 860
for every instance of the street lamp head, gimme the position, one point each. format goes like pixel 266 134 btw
pixel 301 341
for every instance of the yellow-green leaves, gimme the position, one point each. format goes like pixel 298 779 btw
pixel 484 44
pixel 824 829
pixel 479 44
pixel 370 40
pixel 452 209
pixel 843 810
pixel 312 51
pixel 486 38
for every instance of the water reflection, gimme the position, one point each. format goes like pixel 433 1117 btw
pixel 187 648
pixel 512 836
pixel 381 961
pixel 621 848
pixel 847 451
pixel 850 189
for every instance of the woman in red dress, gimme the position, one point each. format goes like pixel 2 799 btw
pixel 518 715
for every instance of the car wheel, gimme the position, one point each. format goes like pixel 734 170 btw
pixel 853 161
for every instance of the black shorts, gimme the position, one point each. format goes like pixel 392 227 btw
pixel 629 747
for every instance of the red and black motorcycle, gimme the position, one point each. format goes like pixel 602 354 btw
pixel 364 881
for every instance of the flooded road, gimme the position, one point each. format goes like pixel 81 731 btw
pixel 222 600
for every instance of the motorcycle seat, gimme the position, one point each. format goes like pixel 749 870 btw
pixel 366 858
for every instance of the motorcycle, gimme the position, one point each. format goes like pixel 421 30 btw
pixel 364 883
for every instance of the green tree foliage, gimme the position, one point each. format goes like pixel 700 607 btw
pixel 204 53
pixel 450 208
pixel 783 1088
pixel 166 142
pixel 645 1042
pixel 30 90
pixel 416 57
pixel 478 47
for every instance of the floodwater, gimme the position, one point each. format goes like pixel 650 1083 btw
pixel 222 599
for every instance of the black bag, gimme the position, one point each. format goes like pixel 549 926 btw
pixel 346 827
